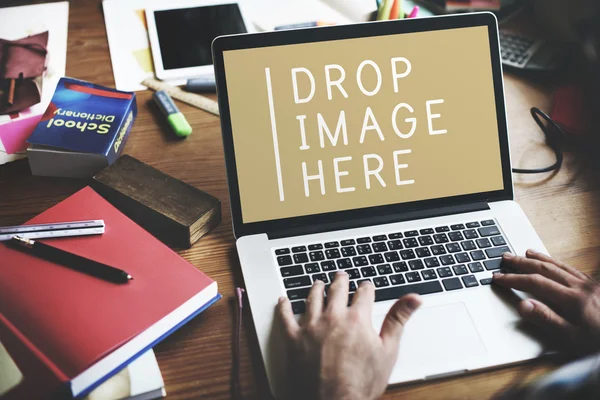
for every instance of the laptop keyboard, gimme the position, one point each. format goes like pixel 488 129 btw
pixel 425 261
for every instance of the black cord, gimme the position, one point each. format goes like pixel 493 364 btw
pixel 551 130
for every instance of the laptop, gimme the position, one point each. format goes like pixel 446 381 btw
pixel 380 149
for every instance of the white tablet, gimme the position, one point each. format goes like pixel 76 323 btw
pixel 182 32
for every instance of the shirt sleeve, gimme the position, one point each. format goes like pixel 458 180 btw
pixel 577 380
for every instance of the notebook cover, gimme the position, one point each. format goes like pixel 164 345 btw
pixel 53 319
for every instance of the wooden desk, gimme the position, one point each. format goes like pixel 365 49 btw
pixel 196 361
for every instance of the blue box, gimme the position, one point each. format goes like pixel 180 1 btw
pixel 83 130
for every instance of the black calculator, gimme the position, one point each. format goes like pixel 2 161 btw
pixel 527 54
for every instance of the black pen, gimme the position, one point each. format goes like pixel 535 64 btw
pixel 72 261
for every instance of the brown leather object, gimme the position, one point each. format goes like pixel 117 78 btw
pixel 24 58
pixel 22 65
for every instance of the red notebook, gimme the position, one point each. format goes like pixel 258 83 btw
pixel 70 331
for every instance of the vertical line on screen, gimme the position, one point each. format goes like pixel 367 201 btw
pixel 275 138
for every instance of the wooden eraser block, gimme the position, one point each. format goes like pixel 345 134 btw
pixel 176 213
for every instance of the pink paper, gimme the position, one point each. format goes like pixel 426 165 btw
pixel 14 134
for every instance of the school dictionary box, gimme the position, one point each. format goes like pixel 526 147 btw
pixel 83 130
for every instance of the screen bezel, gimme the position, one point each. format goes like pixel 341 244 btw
pixel 186 72
pixel 369 29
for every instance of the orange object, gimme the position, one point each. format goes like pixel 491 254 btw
pixel 395 11
pixel 11 93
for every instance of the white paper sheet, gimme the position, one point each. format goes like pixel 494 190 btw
pixel 10 375
pixel 139 380
pixel 22 21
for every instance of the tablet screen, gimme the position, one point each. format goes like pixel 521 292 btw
pixel 185 35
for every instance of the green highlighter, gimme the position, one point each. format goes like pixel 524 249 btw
pixel 174 117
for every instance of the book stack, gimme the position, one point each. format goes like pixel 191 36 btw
pixel 69 334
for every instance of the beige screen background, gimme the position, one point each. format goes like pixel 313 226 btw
pixel 453 66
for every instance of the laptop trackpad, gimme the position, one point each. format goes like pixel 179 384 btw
pixel 438 340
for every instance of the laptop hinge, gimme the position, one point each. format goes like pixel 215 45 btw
pixel 378 220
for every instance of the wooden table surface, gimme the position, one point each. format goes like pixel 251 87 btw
pixel 196 361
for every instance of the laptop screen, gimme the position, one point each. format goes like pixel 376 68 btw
pixel 354 123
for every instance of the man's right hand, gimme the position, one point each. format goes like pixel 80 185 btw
pixel 569 300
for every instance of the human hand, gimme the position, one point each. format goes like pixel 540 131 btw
pixel 334 351
pixel 568 308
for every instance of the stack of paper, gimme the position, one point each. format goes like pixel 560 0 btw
pixel 140 380
pixel 95 328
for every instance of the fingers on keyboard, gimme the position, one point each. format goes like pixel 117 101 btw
pixel 424 261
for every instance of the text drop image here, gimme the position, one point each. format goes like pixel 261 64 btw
pixel 363 122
